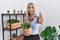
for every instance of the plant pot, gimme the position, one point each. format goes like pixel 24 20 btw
pixel 14 35
pixel 14 25
pixel 21 37
pixel 27 32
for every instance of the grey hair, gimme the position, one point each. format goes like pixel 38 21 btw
pixel 31 4
pixel 27 12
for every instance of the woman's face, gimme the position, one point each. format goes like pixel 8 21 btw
pixel 30 9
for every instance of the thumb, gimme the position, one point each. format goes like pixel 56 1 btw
pixel 40 14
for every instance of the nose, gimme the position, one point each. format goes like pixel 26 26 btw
pixel 31 9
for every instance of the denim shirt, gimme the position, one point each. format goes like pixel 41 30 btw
pixel 35 26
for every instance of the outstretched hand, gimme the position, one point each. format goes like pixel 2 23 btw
pixel 40 18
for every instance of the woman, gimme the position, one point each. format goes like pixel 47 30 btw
pixel 35 21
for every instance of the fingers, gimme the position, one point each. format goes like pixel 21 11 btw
pixel 41 18
pixel 40 14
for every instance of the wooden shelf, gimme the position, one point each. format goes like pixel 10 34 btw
pixel 14 14
pixel 6 28
pixel 20 37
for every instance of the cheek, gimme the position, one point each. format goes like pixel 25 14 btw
pixel 31 11
pixel 28 10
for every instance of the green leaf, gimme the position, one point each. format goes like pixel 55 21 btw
pixel 26 25
pixel 47 33
pixel 12 21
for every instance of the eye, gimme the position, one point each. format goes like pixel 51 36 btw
pixel 32 7
pixel 28 7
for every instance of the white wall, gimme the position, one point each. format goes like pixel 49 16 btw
pixel 50 9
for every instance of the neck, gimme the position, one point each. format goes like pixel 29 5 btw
pixel 31 17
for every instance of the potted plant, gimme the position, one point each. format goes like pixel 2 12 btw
pixel 57 34
pixel 14 35
pixel 13 23
pixel 48 33
pixel 27 28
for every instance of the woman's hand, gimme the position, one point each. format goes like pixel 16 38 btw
pixel 40 18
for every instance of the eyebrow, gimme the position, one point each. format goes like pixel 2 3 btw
pixel 32 7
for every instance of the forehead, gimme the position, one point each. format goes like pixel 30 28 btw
pixel 30 5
